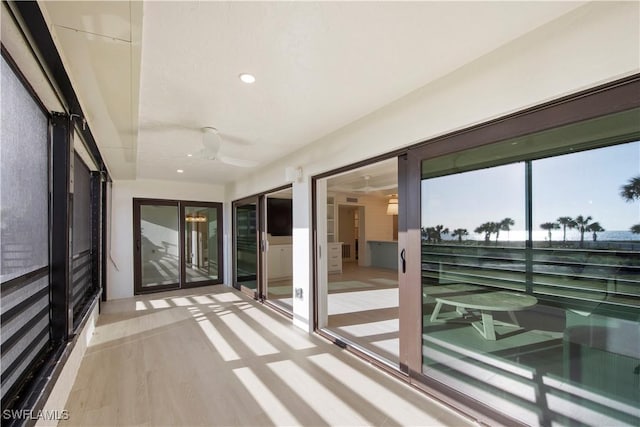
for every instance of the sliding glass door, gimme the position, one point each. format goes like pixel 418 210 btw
pixel 246 245
pixel 357 254
pixel 262 247
pixel 157 246
pixel 177 244
pixel 515 255
pixel 278 222
pixel 529 274
pixel 202 243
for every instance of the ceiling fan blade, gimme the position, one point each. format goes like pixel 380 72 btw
pixel 206 154
pixel 242 163
pixel 383 187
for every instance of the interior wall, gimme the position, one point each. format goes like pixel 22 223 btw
pixel 120 261
pixel 591 45
pixel 379 225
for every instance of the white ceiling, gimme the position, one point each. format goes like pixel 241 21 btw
pixel 377 179
pixel 319 66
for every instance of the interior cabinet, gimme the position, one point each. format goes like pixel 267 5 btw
pixel 334 257
pixel 280 261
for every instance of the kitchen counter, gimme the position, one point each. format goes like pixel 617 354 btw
pixel 383 253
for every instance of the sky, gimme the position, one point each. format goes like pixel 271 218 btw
pixel 585 183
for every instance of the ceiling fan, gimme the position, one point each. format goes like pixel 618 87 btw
pixel 212 142
pixel 367 188
pixel 211 139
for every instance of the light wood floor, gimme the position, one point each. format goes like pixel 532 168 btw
pixel 212 356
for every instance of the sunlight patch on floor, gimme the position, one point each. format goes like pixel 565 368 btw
pixel 269 402
pixel 351 302
pixel 316 395
pixel 227 353
pixel 295 340
pixel 252 339
pixel 362 330
pixel 226 297
pixel 399 410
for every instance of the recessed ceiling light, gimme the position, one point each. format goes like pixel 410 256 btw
pixel 189 155
pixel 247 78
pixel 180 171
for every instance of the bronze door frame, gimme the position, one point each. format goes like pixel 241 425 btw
pixel 137 245
pixel 259 293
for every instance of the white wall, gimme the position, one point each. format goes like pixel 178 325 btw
pixel 594 44
pixel 377 225
pixel 120 261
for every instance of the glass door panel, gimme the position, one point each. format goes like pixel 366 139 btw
pixel 279 254
pixel 357 259
pixel 158 246
pixel 201 244
pixel 246 245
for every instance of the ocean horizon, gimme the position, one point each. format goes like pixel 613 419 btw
pixel 556 236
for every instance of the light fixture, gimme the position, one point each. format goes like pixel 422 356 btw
pixel 179 171
pixel 293 174
pixel 392 207
pixel 189 155
pixel 198 218
pixel 247 78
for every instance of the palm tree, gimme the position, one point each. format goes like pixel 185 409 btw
pixel 460 233
pixel 505 225
pixel 550 226
pixel 566 222
pixel 440 230
pixel 487 228
pixel 595 228
pixel 581 224
pixel 631 191
pixel 434 234
pixel 431 234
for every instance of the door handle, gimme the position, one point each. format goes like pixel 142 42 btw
pixel 404 261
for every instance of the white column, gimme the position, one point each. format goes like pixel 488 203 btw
pixel 302 256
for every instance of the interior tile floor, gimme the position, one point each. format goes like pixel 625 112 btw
pixel 363 309
pixel 213 356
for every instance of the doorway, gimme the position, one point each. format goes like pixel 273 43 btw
pixel 279 247
pixel 246 243
pixel 347 232
pixel 263 251
pixel 177 244
pixel 357 259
